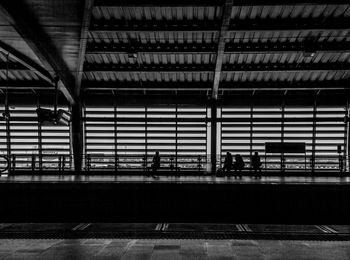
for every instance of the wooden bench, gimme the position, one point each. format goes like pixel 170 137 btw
pixel 171 169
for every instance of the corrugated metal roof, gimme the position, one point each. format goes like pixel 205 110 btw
pixel 153 37
pixel 287 57
pixel 149 58
pixel 287 36
pixel 289 11
pixel 284 76
pixel 157 13
pixel 149 76
pixel 15 74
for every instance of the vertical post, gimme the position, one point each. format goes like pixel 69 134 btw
pixel 213 121
pixel 8 137
pixel 220 143
pixel 313 144
pixel 77 135
pixel 40 148
pixel 283 159
pixel 7 111
pixel 251 130
pixel 176 135
pixel 115 134
pixel 347 148
pixel 146 138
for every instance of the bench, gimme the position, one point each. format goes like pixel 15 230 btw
pixel 171 168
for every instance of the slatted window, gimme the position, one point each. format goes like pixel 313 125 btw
pixel 322 131
pixel 298 127
pixel 161 133
pixel 99 136
pixel 33 146
pixel 235 131
pixel 3 136
pixel 132 135
pixel 330 132
pixel 191 137
pixel 267 127
pixel 55 140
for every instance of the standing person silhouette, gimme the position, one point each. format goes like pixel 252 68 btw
pixel 256 164
pixel 238 165
pixel 227 163
pixel 156 162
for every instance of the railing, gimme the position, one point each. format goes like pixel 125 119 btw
pixel 306 163
pixel 35 162
pixel 142 162
pixel 171 163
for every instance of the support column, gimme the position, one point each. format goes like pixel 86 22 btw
pixel 347 148
pixel 213 123
pixel 77 135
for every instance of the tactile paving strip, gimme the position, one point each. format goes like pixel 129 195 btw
pixel 172 231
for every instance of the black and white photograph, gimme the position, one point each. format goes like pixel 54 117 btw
pixel 175 129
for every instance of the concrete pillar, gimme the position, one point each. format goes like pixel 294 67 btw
pixel 213 139
pixel 77 136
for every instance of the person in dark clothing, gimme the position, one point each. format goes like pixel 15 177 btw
pixel 238 165
pixel 227 163
pixel 256 164
pixel 156 162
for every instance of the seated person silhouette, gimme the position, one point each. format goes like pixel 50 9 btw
pixel 156 162
pixel 238 165
pixel 227 163
pixel 256 164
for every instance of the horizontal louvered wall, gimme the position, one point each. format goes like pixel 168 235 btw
pixel 33 146
pixel 128 137
pixel 246 130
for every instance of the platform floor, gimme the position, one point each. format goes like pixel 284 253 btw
pixel 209 231
pixel 51 247
pixel 174 179
pixel 172 249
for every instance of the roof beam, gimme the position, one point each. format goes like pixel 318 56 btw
pixel 110 48
pixel 168 86
pixel 274 47
pixel 25 84
pixel 159 3
pixel 285 85
pixel 290 24
pixel 210 48
pixel 226 16
pixel 213 26
pixel 25 23
pixel 209 68
pixel 13 66
pixel 285 67
pixel 201 3
pixel 227 86
pixel 26 62
pixel 83 43
pixel 89 67
pixel 114 25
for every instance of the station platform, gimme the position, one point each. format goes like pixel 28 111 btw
pixel 185 199
pixel 137 179
pixel 209 231
pixel 62 249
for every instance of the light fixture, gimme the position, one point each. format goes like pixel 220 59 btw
pixel 47 117
pixel 309 54
pixel 63 117
pixel 6 115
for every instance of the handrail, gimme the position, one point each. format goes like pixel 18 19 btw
pixel 201 163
